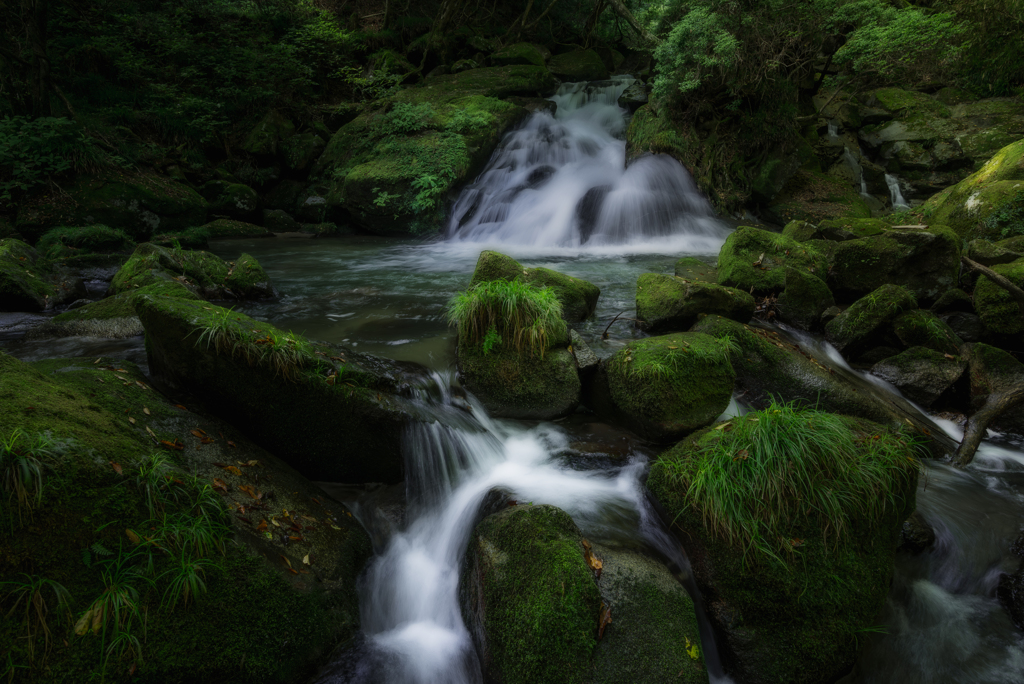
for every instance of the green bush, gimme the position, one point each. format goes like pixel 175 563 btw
pixel 32 151
pixel 526 318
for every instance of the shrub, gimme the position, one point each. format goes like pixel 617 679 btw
pixel 526 318
pixel 32 151
pixel 755 477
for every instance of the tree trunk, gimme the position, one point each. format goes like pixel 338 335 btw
pixel 995 405
pixel 624 12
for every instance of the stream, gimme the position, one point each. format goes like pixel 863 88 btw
pixel 558 194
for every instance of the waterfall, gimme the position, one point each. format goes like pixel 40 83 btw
pixel 561 181
pixel 858 171
pixel 833 130
pixel 894 191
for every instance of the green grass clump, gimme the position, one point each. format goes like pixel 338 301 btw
pixel 526 318
pixel 757 477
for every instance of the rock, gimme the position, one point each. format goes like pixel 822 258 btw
pixel 578 297
pixel 953 300
pixel 463 65
pixel 203 273
pixel 580 65
pixel 916 535
pixel 1010 593
pixel 634 97
pixel 869 321
pixel 232 200
pixel 226 229
pixel 692 268
pixel 312 204
pixel 997 309
pixel 280 392
pixel 653 620
pixel 528 597
pixel 802 231
pixel 249 596
pixel 920 328
pixel 663 388
pixel 778 169
pixel 925 262
pixel 667 303
pixel 810 195
pixel 804 300
pixel 993 370
pixel 518 53
pixel 300 151
pixel 842 229
pixel 755 259
pixel 791 618
pixel 140 204
pixel 967 326
pixel 988 254
pixel 264 138
pixel 30 283
pixel 278 221
pixel 921 374
pixel 285 195
pixel 586 360
pixel 829 315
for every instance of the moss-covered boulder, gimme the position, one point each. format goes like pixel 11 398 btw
pixel 787 604
pixel 921 374
pixel 653 635
pixel 392 168
pixel 29 282
pixel 518 53
pixel 846 228
pixel 869 321
pixel 667 303
pixel 529 597
pixel 516 385
pixel 69 242
pixel 987 253
pixel 810 195
pixel 104 420
pixel 265 137
pixel 291 396
pixel 804 300
pixel 300 151
pixel 756 259
pixel 578 297
pixel 920 328
pixel 140 204
pixel 953 300
pixel 993 370
pixel 205 274
pixel 693 269
pixel 227 229
pixel 996 307
pixel 579 65
pixel 663 388
pixel 925 262
pixel 231 200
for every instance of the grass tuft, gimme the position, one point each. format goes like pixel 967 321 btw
pixel 756 477
pixel 525 318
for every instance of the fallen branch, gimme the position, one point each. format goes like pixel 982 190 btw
pixel 995 405
pixel 624 12
pixel 1005 283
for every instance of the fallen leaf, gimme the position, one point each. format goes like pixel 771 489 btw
pixel 231 444
pixel 198 433
pixel 146 411
pixel 117 468
pixel 741 455
pixel 293 571
pixel 250 491
pixel 96 361
pixel 220 485
pixel 692 650
pixel 722 426
pixel 333 526
pixel 175 445
pixel 606 619
pixel 796 543
pixel 262 527
pixel 132 537
pixel 151 433
pixel 273 521
pixel 233 470
pixel 253 463
pixel 296 538
pixel 286 561
pixel 181 407
pixel 131 420
pixel 315 499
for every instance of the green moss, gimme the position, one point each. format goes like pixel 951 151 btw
pixel 993 370
pixel 539 600
pixel 67 242
pixel 756 259
pixel 997 309
pixel 204 273
pixel 910 103
pixel 667 303
pixel 25 278
pixel 869 319
pixel 693 269
pixel 804 300
pixel 849 228
pixel 920 328
pixel 581 65
pixel 812 196
pixel 518 53
pixel 512 385
pixel 123 305
pixel 921 374
pixel 226 229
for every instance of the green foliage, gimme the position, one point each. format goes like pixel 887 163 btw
pixel 662 364
pixel 33 151
pixel 1009 217
pixel 758 476
pixel 991 60
pixel 30 595
pixel 527 318
pixel 404 118
pixel 491 340
pixel 22 469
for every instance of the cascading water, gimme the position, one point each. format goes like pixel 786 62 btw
pixel 562 181
pixel 894 191
pixel 858 171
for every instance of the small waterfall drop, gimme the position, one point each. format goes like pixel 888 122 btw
pixel 858 170
pixel 894 191
pixel 833 130
pixel 561 181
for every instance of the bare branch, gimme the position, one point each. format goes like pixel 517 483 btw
pixel 1005 283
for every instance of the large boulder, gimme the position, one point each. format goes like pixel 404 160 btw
pixel 232 200
pixel 518 53
pixel 998 310
pixel 994 371
pixel 663 388
pixel 869 321
pixel 578 297
pixel 580 65
pixel 29 282
pixel 529 597
pixel 300 151
pixel 667 303
pixel 140 204
pixel 266 136
pixel 756 259
pixel 926 262
pixel 205 274
pixel 810 195
pixel 106 422
pixel 693 269
pixel 804 300
pixel 391 169
pixel 517 385
pixel 787 590
pixel 920 328
pixel 921 374
pixel 73 243
pixel 227 229
pixel 291 396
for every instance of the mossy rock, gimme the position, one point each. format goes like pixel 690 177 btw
pixel 284 391
pixel 232 631
pixel 577 296
pixel 768 368
pixel 840 229
pixel 264 138
pixel 667 303
pixel 810 195
pixel 998 310
pixel 695 270
pixel 140 204
pixel 663 388
pixel 300 151
pixel 65 242
pixel 205 274
pixel 802 231
pixel 777 170
pixel 988 254
pixel 580 65
pixel 1013 244
pixel 653 622
pixel 797 620
pixel 518 53
pixel 227 229
pixel 953 300
pixel 921 374
pixel 113 317
pixel 925 262
pixel 530 598
pixel 517 385
pixel 993 370
pixel 869 321
pixel 232 200
pixel 920 328
pixel 756 259
pixel 26 281
pixel 803 301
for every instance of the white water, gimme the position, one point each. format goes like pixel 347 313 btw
pixel 561 182
pixel 894 191
pixel 858 171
